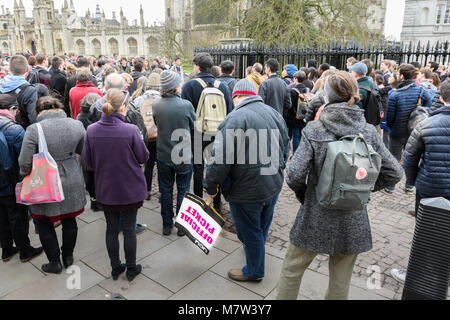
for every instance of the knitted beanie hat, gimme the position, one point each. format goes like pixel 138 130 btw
pixel 154 81
pixel 169 80
pixel 244 87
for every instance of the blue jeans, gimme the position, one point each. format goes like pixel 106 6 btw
pixel 252 222
pixel 168 173
pixel 296 136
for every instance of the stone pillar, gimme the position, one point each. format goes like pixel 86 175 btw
pixel 141 43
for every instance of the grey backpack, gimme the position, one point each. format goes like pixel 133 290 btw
pixel 349 174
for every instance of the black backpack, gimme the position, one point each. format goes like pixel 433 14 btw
pixel 373 110
pixel 33 76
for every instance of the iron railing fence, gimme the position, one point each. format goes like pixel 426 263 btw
pixel 335 53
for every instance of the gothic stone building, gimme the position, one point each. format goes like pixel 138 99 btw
pixel 51 31
pixel 426 20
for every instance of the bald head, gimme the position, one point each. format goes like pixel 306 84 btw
pixel 114 81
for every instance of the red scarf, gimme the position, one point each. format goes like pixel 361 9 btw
pixel 6 113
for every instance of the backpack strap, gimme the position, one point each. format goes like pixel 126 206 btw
pixel 419 101
pixel 202 83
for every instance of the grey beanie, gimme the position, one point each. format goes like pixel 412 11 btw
pixel 244 87
pixel 169 80
pixel 332 96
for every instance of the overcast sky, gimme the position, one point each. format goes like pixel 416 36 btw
pixel 154 10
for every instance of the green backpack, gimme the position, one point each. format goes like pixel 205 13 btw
pixel 349 174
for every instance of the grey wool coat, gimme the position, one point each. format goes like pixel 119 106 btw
pixel 318 229
pixel 65 137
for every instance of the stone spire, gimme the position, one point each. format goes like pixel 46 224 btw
pixel 65 4
pixel 71 4
pixel 21 5
pixel 15 4
pixel 141 13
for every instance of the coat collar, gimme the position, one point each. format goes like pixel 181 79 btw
pixel 85 84
pixel 249 101
pixel 50 114
pixel 444 110
pixel 114 118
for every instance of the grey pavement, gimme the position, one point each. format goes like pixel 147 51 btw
pixel 175 269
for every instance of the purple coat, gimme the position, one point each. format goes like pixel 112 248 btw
pixel 115 150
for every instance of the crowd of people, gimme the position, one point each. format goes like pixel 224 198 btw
pixel 109 121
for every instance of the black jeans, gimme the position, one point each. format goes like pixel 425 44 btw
pixel 199 169
pixel 150 165
pixel 14 224
pixel 49 240
pixel 129 237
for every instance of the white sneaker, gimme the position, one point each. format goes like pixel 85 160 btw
pixel 399 275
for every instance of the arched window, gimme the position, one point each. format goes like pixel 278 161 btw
pixel 5 47
pixel 113 46
pixel 96 47
pixel 81 47
pixel 5 26
pixel 132 47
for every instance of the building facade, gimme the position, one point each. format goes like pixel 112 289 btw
pixel 57 32
pixel 426 20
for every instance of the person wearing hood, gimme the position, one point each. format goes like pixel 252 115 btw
pixel 338 233
pixel 17 85
pixel 252 188
pixel 401 103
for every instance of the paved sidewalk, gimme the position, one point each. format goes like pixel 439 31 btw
pixel 173 268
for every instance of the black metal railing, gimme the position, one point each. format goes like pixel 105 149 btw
pixel 335 53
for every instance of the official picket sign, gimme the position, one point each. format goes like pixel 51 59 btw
pixel 200 221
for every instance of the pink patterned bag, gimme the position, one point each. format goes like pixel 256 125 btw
pixel 43 184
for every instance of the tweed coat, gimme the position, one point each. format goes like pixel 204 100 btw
pixel 322 230
pixel 65 138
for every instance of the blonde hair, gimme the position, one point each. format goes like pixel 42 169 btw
pixel 113 101
pixel 141 83
pixel 129 79
pixel 324 76
pixel 345 86
pixel 71 70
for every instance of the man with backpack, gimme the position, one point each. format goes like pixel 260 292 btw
pixel 296 115
pixel 42 69
pixel 212 102
pixel 370 97
pixel 25 94
pixel 226 74
pixel 58 80
pixel 14 223
pixel 401 103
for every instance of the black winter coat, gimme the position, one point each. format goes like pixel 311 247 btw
pixel 58 82
pixel 427 160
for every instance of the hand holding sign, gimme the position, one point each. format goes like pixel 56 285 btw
pixel 200 221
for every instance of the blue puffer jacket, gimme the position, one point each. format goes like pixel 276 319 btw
pixel 14 134
pixel 430 142
pixel 401 103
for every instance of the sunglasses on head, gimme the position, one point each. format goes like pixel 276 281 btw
pixel 127 94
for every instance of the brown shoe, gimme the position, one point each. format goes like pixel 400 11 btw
pixel 412 213
pixel 236 274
